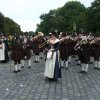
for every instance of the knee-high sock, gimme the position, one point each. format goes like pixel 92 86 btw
pixel 66 64
pixel 38 58
pixel 16 67
pixel 12 63
pixel 69 59
pixel 98 64
pixel 19 65
pixel 79 62
pixel 41 54
pixel 35 57
pixel 29 62
pixel 22 62
pixel 91 59
pixel 62 63
pixel 86 67
pixel 77 57
pixel 95 64
pixel 83 67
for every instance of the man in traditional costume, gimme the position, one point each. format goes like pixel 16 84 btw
pixel 85 54
pixel 26 50
pixel 96 52
pixel 64 51
pixel 16 54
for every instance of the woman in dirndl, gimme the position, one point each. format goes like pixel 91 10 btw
pixel 52 65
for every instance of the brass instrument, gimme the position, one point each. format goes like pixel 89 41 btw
pixel 94 41
pixel 38 35
pixel 83 41
pixel 77 46
pixel 44 43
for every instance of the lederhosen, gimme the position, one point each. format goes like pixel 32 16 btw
pixel 96 50
pixel 26 47
pixel 36 49
pixel 64 51
pixel 16 54
pixel 85 53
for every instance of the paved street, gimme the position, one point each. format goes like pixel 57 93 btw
pixel 30 84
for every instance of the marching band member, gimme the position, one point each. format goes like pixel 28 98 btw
pixel 70 47
pixel 78 50
pixel 16 54
pixel 26 51
pixel 96 50
pixel 52 66
pixel 42 40
pixel 64 51
pixel 85 54
pixel 36 49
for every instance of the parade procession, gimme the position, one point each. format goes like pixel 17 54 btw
pixel 56 49
pixel 49 49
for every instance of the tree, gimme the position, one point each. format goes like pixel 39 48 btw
pixel 2 22
pixel 11 26
pixel 93 17
pixel 62 19
pixel 7 25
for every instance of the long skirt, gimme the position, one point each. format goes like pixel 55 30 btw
pixel 52 67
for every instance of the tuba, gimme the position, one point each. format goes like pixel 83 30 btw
pixel 38 35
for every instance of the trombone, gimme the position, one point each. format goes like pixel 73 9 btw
pixel 77 46
pixel 43 44
pixel 83 41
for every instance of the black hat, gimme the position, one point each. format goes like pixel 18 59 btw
pixel 63 34
pixel 54 33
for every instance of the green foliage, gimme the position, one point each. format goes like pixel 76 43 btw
pixel 2 22
pixel 11 26
pixel 7 25
pixel 62 19
pixel 73 16
pixel 93 17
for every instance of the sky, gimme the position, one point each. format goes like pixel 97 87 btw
pixel 27 12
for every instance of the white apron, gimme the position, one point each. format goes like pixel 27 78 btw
pixel 2 52
pixel 50 65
